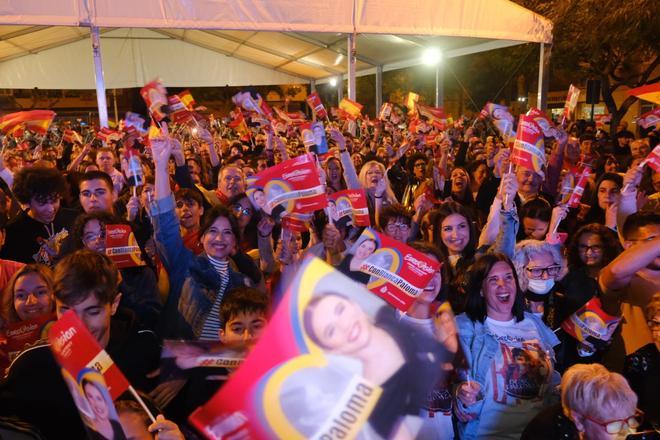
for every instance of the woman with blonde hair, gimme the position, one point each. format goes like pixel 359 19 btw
pixel 596 404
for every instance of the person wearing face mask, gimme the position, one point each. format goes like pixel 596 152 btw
pixel 539 266
pixel 596 404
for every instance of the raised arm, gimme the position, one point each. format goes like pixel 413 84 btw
pixel 621 270
pixel 350 173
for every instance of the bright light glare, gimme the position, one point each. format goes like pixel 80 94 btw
pixel 333 82
pixel 431 56
pixel 339 59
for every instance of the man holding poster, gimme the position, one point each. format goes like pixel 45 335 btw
pixel 34 389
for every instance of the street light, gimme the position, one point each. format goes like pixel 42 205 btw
pixel 431 56
pixel 333 82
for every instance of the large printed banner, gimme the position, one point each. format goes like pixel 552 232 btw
pixel 591 326
pixel 529 146
pixel 291 186
pixel 392 270
pixel 93 379
pixel 349 205
pixel 335 361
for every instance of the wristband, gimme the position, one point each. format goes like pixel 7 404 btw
pixel 378 197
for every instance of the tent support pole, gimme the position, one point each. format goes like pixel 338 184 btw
pixel 544 79
pixel 351 66
pixel 379 88
pixel 98 74
pixel 312 85
pixel 439 86
pixel 340 89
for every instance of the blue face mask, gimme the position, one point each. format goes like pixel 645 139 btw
pixel 540 287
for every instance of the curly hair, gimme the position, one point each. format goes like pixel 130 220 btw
pixel 524 252
pixel 38 182
pixel 611 245
pixel 104 218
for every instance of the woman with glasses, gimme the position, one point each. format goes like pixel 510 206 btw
pixel 139 286
pixel 248 219
pixel 509 374
pixel 596 404
pixel 540 266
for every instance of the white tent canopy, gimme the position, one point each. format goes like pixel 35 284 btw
pixel 208 42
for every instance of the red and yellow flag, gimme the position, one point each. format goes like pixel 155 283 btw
pixel 352 108
pixel 37 121
pixel 649 92
pixel 187 99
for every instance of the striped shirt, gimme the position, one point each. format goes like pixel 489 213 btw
pixel 213 324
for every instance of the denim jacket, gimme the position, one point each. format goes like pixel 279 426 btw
pixel 194 283
pixel 480 348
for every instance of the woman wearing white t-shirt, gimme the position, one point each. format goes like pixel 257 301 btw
pixel 510 375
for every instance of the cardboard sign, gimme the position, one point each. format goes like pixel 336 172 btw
pixel 590 325
pixel 314 102
pixel 310 374
pixel 546 125
pixel 291 186
pixel 75 349
pixel 578 190
pixel 296 222
pixel 528 148
pixel 351 203
pixel 397 273
pixel 571 102
pixel 23 334
pixel 122 247
pixel 313 136
pixel 179 356
pixel 155 96
pixel 500 116
pixel 385 111
pixel 653 159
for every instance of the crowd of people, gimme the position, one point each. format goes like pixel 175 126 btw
pixel 517 262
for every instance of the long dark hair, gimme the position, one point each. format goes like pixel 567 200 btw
pixel 596 214
pixel 475 305
pixel 439 215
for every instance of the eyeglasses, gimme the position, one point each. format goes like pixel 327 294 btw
pixel 537 272
pixel 241 210
pixel 420 165
pixel 653 323
pixel 616 426
pixel 595 249
pixel 393 227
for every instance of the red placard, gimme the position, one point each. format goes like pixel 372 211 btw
pixel 590 324
pixel 653 159
pixel 291 186
pixel 155 96
pixel 314 102
pixel 350 203
pixel 398 273
pixel 578 190
pixel 296 222
pixel 528 148
pixel 75 348
pixel 122 247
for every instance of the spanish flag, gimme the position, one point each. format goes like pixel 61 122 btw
pixel 37 121
pixel 352 108
pixel 649 92
pixel 187 100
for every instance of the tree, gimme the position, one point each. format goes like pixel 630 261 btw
pixel 615 41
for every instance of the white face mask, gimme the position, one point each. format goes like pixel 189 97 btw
pixel 540 287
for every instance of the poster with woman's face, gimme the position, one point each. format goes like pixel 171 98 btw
pixel 95 405
pixel 315 371
pixel 397 272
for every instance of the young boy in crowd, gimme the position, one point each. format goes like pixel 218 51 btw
pixel 34 390
pixel 244 313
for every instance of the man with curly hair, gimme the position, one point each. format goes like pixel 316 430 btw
pixel 36 233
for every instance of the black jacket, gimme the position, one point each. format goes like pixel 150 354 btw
pixel 34 390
